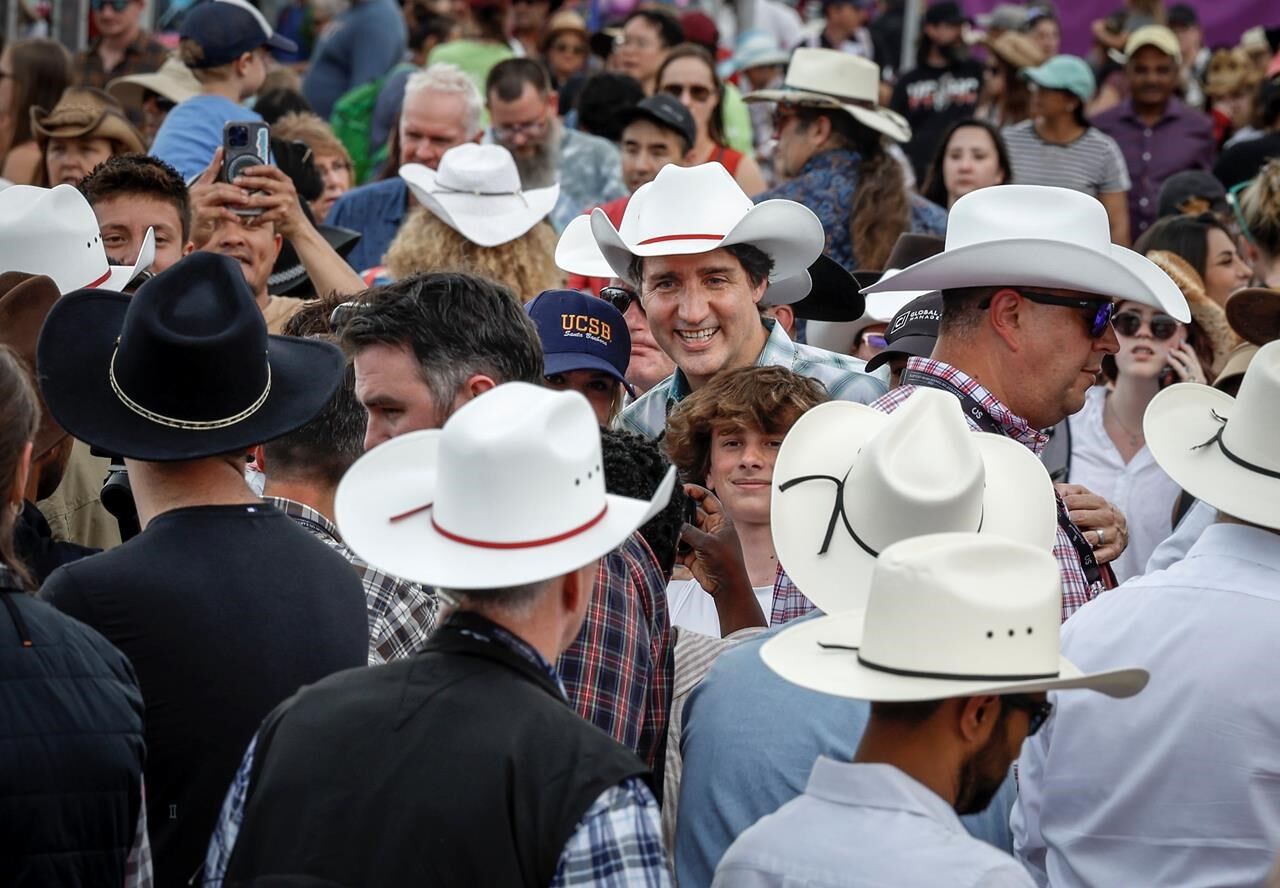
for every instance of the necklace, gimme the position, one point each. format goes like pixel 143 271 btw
pixel 1134 439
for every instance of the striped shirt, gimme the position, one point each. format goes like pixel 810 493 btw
pixel 1092 163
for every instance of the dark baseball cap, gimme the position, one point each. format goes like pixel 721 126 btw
pixel 227 29
pixel 945 13
pixel 912 331
pixel 1191 185
pixel 665 111
pixel 581 332
pixel 1182 15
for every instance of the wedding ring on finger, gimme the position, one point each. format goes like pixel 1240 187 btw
pixel 1102 537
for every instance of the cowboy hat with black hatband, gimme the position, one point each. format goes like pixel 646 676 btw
pixel 183 369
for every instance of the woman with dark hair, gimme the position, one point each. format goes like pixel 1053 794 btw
pixel 33 74
pixel 1058 146
pixel 971 155
pixel 689 75
pixel 1207 246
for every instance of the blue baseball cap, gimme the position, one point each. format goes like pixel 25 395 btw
pixel 1064 72
pixel 581 332
pixel 227 29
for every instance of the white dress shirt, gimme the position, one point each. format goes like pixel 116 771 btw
pixel 1177 544
pixel 1179 785
pixel 864 825
pixel 1140 488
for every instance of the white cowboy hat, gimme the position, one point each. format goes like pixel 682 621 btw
pixel 1220 449
pixel 689 210
pixel 510 491
pixel 851 481
pixel 1038 236
pixel 477 193
pixel 948 615
pixel 829 78
pixel 753 49
pixel 53 231
pixel 838 336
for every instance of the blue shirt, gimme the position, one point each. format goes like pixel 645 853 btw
pixel 375 210
pixel 192 132
pixel 749 742
pixel 361 45
pixel 826 186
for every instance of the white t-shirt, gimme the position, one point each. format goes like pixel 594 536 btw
pixel 1141 489
pixel 691 607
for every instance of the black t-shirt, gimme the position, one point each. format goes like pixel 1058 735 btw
pixel 931 99
pixel 1241 162
pixel 224 611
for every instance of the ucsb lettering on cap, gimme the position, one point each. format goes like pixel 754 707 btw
pixel 580 332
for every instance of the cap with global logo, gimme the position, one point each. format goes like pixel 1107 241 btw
pixel 581 332
pixel 912 331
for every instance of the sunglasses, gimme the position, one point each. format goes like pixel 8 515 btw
pixel 1128 323
pixel 1097 312
pixel 875 340
pixel 570 48
pixel 117 5
pixel 1233 201
pixel 1037 713
pixel 697 92
pixel 534 130
pixel 621 298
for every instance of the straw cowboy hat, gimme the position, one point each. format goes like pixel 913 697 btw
pixel 1039 236
pixel 1207 314
pixel 689 210
pixel 851 481
pixel 86 112
pixel 142 378
pixel 510 491
pixel 1221 449
pixel 947 615
pixel 1015 49
pixel 25 301
pixel 53 231
pixel 1254 313
pixel 828 78
pixel 477 193
pixel 173 81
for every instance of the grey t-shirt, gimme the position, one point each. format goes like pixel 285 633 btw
pixel 1092 163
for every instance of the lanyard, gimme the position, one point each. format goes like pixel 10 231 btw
pixel 984 421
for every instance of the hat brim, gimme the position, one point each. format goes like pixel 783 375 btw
pixel 1254 314
pixel 1033 262
pixel 130 91
pixel 833 294
pixel 906 347
pixel 485 220
pixel 577 252
pixel 120 276
pixel 399 476
pixel 289 274
pixel 1178 421
pixel 882 120
pixel 1014 502
pixel 733 65
pixel 796 654
pixel 75 351
pixel 284 44
pixel 563 362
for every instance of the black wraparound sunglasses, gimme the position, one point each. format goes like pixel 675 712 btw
pixel 1097 312
pixel 1037 712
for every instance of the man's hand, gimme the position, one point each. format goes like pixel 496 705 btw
pixel 213 202
pixel 716 562
pixel 273 192
pixel 1102 524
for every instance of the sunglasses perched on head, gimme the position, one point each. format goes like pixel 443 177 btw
pixel 621 298
pixel 117 5
pixel 1233 201
pixel 1097 312
pixel 697 91
pixel 1037 713
pixel 1128 323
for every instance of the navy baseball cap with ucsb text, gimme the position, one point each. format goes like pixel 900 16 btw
pixel 227 29
pixel 581 332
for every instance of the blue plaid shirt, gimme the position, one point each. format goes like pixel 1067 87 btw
pixel 845 378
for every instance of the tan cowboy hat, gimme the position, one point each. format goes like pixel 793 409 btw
pixel 85 111
pixel 1207 314
pixel 25 301
pixel 828 78
pixel 565 20
pixel 1016 50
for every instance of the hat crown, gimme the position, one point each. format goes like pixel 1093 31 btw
pixel 51 231
pixel 1029 212
pixel 573 322
pixel 964 605
pixel 698 200
pixel 478 169
pixel 1254 427
pixel 519 463
pixel 842 76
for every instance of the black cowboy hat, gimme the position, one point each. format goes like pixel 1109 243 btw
pixel 833 296
pixel 289 274
pixel 908 249
pixel 182 370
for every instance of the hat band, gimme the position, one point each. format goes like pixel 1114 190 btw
pixel 1238 460
pixel 101 280
pixel 491 544
pixel 943 676
pixel 674 237
pixel 187 424
pixel 477 193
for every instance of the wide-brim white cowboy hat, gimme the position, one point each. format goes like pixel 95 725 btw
pixel 477 193
pixel 948 615
pixel 829 78
pixel 53 231
pixel 690 210
pixel 1220 449
pixel 1039 236
pixel 510 491
pixel 850 481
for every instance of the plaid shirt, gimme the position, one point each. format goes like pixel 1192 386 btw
pixel 1076 589
pixel 402 615
pixel 618 671
pixel 845 379
pixel 789 603
pixel 138 867
pixel 143 56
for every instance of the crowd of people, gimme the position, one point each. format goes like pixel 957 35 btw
pixel 539 443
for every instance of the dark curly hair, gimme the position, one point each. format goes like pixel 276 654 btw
pixel 142 175
pixel 634 466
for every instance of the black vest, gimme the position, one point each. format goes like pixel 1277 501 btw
pixel 71 749
pixel 462 766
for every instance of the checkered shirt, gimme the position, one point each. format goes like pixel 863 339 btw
pixel 618 671
pixel 844 377
pixel 402 615
pixel 789 603
pixel 138 867
pixel 1076 589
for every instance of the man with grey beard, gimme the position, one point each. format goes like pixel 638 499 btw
pixel 522 110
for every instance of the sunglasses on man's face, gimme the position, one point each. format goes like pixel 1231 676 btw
pixel 1097 312
pixel 1037 712
pixel 117 5
pixel 1128 323
pixel 696 91
pixel 621 298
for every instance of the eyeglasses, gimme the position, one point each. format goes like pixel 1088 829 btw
pixel 621 298
pixel 696 91
pixel 783 115
pixel 1128 323
pixel 534 130
pixel 1037 713
pixel 117 5
pixel 578 49
pixel 1097 312
pixel 1233 200
pixel 875 340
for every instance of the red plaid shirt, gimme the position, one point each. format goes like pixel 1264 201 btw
pixel 618 671
pixel 789 603
pixel 1076 589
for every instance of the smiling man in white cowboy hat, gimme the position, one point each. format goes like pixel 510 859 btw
pixel 224 605
pixel 956 650
pixel 701 256
pixel 1026 321
pixel 848 483
pixel 1096 804
pixel 505 511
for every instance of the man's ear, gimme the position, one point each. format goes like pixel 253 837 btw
pixel 553 102
pixel 786 316
pixel 978 718
pixel 189 248
pixel 260 457
pixel 279 245
pixel 475 386
pixel 1007 316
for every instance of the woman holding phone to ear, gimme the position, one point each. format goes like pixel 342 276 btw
pixel 1109 452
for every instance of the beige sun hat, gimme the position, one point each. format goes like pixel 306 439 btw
pixel 173 80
